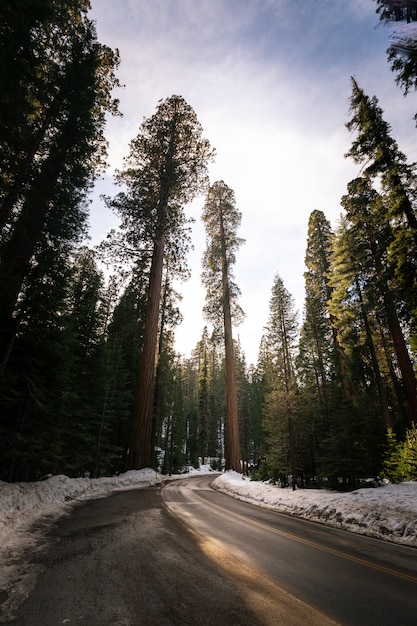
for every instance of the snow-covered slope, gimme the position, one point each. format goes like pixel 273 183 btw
pixel 387 512
pixel 27 509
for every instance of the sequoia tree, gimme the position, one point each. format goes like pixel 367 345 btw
pixel 165 169
pixel 222 219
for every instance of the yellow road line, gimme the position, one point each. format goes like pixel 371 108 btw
pixel 313 544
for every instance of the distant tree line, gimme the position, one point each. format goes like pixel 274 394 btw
pixel 90 383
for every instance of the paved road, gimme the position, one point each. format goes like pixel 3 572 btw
pixel 355 580
pixel 185 554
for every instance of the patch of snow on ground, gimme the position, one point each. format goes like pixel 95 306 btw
pixel 22 503
pixel 387 512
pixel 28 509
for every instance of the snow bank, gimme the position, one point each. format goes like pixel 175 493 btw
pixel 386 512
pixel 23 503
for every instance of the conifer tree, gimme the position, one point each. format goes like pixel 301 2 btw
pixel 384 164
pixel 53 149
pixel 318 341
pixel 222 219
pixel 281 340
pixel 382 161
pixel 166 168
pixel 369 241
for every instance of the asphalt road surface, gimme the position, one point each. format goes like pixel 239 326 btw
pixel 183 554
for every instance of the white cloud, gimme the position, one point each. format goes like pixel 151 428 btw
pixel 273 101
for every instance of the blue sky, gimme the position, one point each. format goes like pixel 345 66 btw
pixel 270 83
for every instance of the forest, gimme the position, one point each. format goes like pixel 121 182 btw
pixel 90 383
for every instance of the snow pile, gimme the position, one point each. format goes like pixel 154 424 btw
pixel 23 503
pixel 404 37
pixel 387 512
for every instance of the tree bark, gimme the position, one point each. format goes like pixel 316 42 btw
pixel 232 447
pixel 140 446
pixel 374 360
pixel 232 443
pixel 404 361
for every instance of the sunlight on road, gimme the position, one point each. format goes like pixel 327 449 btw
pixel 271 604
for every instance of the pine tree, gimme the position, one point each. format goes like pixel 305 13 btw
pixel 320 361
pixel 222 219
pixel 217 400
pixel 281 340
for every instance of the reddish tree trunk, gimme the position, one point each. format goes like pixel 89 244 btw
pixel 404 361
pixel 140 447
pixel 232 443
pixel 232 447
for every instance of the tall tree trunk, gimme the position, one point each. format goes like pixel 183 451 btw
pixel 374 360
pixel 140 446
pixel 157 418
pixel 293 449
pixel 404 361
pixel 232 443
pixel 232 447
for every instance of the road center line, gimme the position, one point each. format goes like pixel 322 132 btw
pixel 313 544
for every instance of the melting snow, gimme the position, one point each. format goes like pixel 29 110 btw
pixel 27 509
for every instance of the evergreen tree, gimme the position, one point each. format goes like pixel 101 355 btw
pixel 171 401
pixel 378 152
pixel 54 396
pixel 281 340
pixel 370 236
pixel 243 407
pixel 320 361
pixel 165 169
pixel 217 401
pixel 386 165
pixel 33 386
pixel 318 343
pixel 53 147
pixel 222 219
pixel 255 414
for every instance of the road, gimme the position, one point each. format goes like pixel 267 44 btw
pixel 184 554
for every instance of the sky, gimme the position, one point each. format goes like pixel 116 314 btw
pixel 388 512
pixel 270 83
